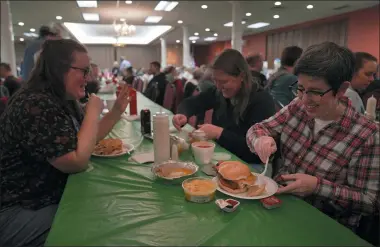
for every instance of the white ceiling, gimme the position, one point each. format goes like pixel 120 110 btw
pixel 36 13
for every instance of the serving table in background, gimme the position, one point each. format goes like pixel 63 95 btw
pixel 119 203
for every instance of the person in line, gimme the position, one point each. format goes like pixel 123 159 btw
pixel 155 89
pixel 192 84
pixel 237 104
pixel 172 77
pixel 331 152
pixel 279 83
pixel 53 137
pixel 10 81
pixel 365 70
pixel 256 63
pixel 206 82
pixel 32 50
pixel 128 76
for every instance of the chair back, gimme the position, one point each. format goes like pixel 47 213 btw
pixel 169 97
pixel 193 119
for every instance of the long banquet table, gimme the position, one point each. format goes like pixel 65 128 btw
pixel 118 202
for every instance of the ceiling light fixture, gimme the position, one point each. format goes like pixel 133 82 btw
pixel 32 30
pixel 180 21
pixel 122 29
pixel 193 37
pixel 178 41
pixel 122 19
pixel 128 2
pixel 165 5
pixel 215 34
pixel 87 4
pixel 153 19
pixel 58 17
pixel 243 22
pixel 193 41
pixel 207 29
pixel 277 3
pixel 204 6
pixel 89 17
pixel 21 23
pixel 229 24
pixel 258 25
pixel 196 34
pixel 34 35
pixel 309 6
pixel 248 14
pixel 210 39
pixel 21 39
pixel 276 16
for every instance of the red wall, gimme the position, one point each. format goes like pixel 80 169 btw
pixel 362 35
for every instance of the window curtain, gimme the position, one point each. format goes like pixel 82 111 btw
pixel 304 37
pixel 102 55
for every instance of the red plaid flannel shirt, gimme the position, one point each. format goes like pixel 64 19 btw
pixel 344 156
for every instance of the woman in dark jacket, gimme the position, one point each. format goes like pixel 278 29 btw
pixel 237 103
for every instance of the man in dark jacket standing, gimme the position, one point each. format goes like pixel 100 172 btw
pixel 156 87
pixel 31 50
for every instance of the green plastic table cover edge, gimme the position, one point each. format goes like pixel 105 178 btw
pixel 119 203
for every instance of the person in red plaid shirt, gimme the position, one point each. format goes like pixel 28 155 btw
pixel 331 153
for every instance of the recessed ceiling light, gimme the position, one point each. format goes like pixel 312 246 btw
pixel 180 21
pixel 165 5
pixel 215 34
pixel 196 34
pixel 193 41
pixel 229 24
pixel 90 16
pixel 31 35
pixel 153 19
pixel 309 6
pixel 207 29
pixel 21 39
pixel 58 17
pixel 87 4
pixel 193 37
pixel 21 23
pixel 128 2
pixel 276 16
pixel 277 3
pixel 178 41
pixel 204 6
pixel 258 25
pixel 243 22
pixel 210 39
pixel 32 30
pixel 122 19
pixel 248 14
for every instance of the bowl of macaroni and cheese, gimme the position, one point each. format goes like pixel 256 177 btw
pixel 199 190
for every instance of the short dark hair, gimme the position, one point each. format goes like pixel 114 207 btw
pixel 156 64
pixel 290 55
pixel 6 66
pixel 360 57
pixel 329 61
pixel 129 70
pixel 46 31
pixel 253 59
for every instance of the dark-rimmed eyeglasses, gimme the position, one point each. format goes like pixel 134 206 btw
pixel 310 93
pixel 86 71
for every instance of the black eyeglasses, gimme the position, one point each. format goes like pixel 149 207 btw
pixel 317 95
pixel 85 71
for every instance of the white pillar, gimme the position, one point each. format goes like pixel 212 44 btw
pixel 7 44
pixel 163 53
pixel 237 27
pixel 186 47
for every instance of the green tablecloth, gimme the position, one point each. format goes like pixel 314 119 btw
pixel 119 203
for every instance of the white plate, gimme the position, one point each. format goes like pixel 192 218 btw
pixel 270 189
pixel 127 148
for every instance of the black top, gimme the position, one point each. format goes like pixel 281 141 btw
pixel 12 84
pixel 44 131
pixel 156 88
pixel 233 137
pixel 260 78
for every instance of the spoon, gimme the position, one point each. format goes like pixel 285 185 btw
pixel 260 178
